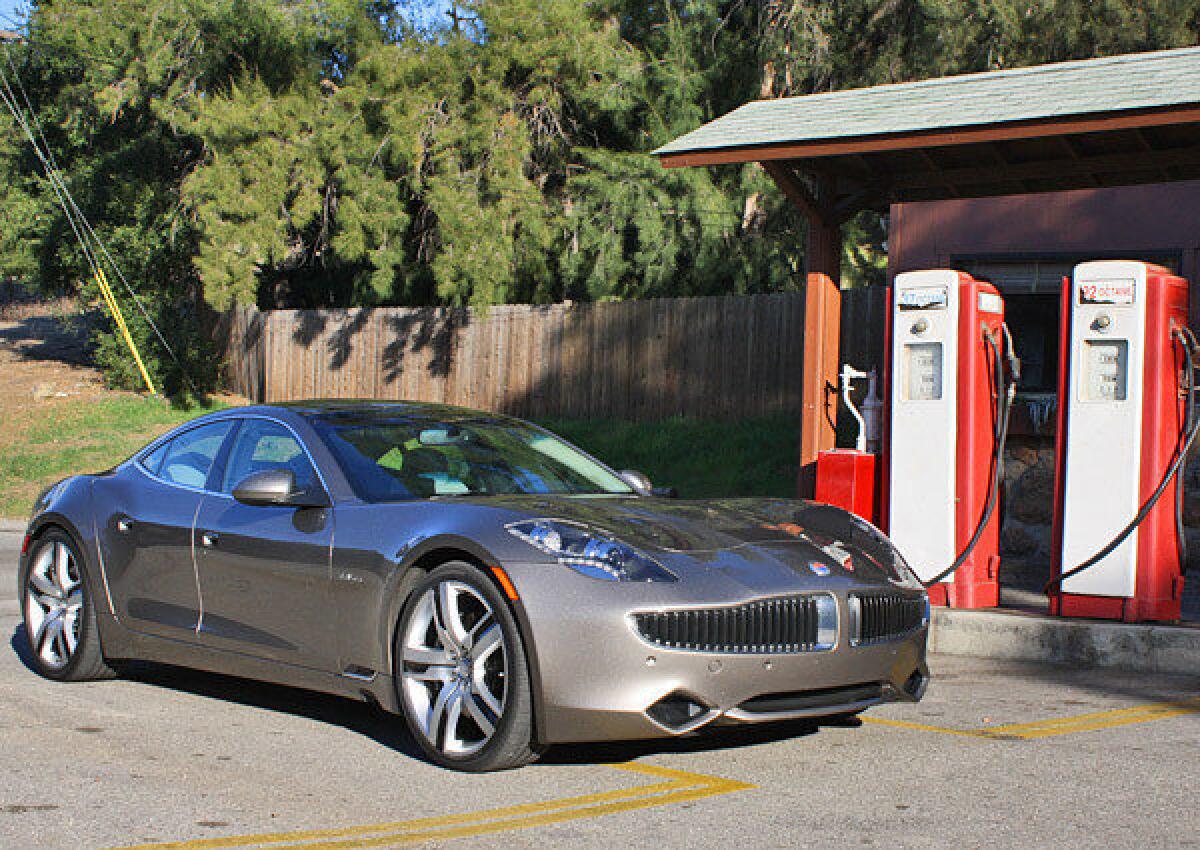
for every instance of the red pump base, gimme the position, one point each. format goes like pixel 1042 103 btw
pixel 846 478
pixel 1128 609
pixel 980 593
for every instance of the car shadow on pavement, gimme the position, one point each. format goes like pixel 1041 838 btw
pixel 361 717
pixel 21 647
pixel 721 738
pixel 390 731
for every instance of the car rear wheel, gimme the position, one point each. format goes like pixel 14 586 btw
pixel 60 619
pixel 462 673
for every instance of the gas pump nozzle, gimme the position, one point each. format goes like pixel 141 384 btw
pixel 848 376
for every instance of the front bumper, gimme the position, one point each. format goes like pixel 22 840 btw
pixel 598 679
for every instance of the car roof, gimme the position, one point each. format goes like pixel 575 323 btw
pixel 360 410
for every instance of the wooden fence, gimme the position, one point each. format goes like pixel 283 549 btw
pixel 724 357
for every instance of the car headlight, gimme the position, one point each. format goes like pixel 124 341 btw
pixel 589 552
pixel 889 557
pixel 906 575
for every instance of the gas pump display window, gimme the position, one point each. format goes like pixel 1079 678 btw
pixel 1105 368
pixel 922 371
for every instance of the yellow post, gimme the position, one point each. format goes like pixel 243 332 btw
pixel 114 309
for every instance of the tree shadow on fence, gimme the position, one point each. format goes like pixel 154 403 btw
pixel 727 357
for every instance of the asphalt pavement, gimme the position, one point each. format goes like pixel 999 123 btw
pixel 999 754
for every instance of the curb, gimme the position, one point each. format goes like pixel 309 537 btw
pixel 1020 636
pixel 17 525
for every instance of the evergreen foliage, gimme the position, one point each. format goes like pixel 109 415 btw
pixel 347 152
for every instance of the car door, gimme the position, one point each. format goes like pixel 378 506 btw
pixel 144 517
pixel 264 570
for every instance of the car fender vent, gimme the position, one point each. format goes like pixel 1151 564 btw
pixel 680 712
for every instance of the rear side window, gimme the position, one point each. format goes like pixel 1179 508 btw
pixel 189 457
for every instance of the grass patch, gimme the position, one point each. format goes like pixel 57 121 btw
pixel 60 437
pixel 699 458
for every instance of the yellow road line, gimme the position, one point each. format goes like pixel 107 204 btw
pixel 679 786
pixel 920 727
pixel 1097 720
pixel 1060 725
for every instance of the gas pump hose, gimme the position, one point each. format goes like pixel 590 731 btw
pixel 1004 403
pixel 1187 438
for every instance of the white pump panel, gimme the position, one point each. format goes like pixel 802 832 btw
pixel 921 505
pixel 1104 422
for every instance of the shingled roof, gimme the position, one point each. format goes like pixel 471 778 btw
pixel 1142 81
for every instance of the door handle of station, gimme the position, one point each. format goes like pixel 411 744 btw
pixel 209 539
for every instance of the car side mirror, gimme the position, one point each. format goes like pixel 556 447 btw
pixel 641 485
pixel 275 487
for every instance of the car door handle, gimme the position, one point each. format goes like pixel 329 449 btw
pixel 209 539
pixel 124 524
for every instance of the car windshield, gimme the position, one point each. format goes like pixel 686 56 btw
pixel 392 460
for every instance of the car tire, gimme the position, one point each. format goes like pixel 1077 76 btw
pixel 452 672
pixel 57 606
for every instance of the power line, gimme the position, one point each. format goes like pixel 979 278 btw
pixel 74 214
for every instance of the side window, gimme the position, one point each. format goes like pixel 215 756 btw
pixel 262 444
pixel 190 456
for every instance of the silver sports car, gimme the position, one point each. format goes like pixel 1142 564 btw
pixel 495 585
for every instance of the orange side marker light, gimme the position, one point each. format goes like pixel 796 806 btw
pixel 505 582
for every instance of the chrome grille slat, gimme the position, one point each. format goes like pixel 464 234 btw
pixel 879 617
pixel 790 624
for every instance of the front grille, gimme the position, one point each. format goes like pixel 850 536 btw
pixel 787 624
pixel 879 617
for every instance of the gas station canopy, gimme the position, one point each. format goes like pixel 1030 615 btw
pixel 1097 122
pixel 1114 121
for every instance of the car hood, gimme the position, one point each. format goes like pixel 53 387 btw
pixel 794 531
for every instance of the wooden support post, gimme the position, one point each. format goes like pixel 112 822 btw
pixel 822 327
pixel 822 316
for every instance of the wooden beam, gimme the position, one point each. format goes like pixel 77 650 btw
pixel 940 137
pixel 1083 166
pixel 822 330
pixel 1067 143
pixel 791 186
pixel 822 316
pixel 934 171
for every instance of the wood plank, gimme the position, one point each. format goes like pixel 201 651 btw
pixel 724 356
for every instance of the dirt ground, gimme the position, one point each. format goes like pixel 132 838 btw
pixel 42 361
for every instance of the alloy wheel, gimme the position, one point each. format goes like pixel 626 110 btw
pixel 54 604
pixel 454 668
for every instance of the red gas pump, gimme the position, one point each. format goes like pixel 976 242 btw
pixel 1126 419
pixel 947 402
pixel 949 383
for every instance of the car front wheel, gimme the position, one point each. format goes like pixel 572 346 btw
pixel 60 618
pixel 462 673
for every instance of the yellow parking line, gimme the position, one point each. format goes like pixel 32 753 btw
pixel 1060 725
pixel 679 786
pixel 1097 720
pixel 920 727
